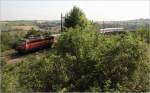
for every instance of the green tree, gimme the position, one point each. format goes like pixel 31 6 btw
pixel 76 18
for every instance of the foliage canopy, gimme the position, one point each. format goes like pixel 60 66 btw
pixel 76 18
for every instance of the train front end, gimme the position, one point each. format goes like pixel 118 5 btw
pixel 21 46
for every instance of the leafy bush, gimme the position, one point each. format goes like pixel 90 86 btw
pixel 8 39
pixel 93 59
pixel 38 73
pixel 9 79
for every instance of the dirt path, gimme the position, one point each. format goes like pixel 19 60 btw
pixel 12 56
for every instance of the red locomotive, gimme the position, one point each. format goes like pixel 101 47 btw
pixel 34 43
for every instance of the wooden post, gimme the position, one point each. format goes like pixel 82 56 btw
pixel 61 23
pixel 103 24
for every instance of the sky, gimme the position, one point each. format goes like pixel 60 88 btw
pixel 95 10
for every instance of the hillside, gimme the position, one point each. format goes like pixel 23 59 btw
pixel 54 25
pixel 129 24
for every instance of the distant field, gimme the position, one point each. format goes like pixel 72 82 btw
pixel 27 27
pixel 14 23
pixel 53 26
pixel 17 25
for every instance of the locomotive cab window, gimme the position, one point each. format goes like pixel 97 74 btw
pixel 21 42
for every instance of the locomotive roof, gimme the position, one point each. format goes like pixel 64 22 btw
pixel 33 38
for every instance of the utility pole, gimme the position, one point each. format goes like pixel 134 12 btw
pixel 102 24
pixel 61 22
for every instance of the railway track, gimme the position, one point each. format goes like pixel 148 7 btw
pixel 12 56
